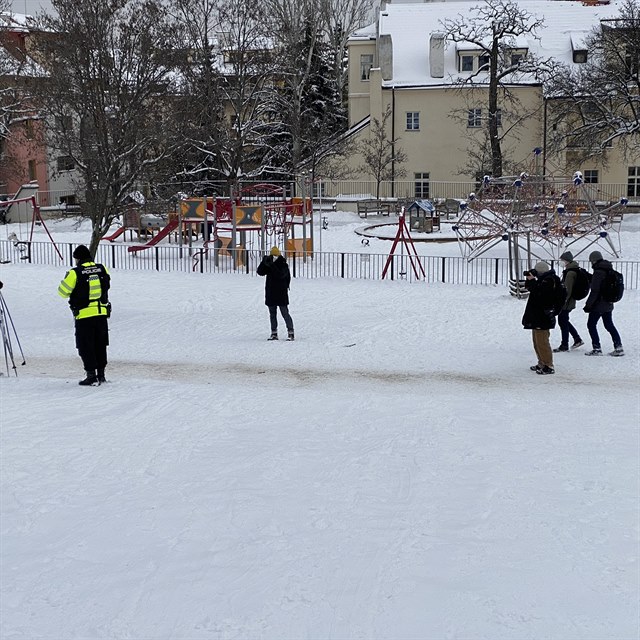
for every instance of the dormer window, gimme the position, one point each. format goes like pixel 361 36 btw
pixel 580 56
pixel 483 62
pixel 579 47
pixel 466 63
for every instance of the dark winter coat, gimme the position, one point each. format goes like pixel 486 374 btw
pixel 276 287
pixel 538 313
pixel 595 302
pixel 569 279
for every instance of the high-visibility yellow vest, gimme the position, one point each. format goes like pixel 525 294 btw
pixel 83 286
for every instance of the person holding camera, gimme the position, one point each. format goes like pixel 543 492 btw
pixel 542 283
pixel 86 287
pixel 276 290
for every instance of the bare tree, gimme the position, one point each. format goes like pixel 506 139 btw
pixel 339 19
pixel 107 96
pixel 15 68
pixel 382 157
pixel 598 103
pixel 493 28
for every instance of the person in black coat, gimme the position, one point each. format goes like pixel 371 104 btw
pixel 276 290
pixel 597 307
pixel 539 314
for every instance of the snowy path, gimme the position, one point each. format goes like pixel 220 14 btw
pixel 416 485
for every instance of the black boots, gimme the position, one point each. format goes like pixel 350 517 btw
pixel 91 380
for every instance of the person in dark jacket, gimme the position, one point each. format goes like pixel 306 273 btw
pixel 597 307
pixel 539 315
pixel 276 290
pixel 568 278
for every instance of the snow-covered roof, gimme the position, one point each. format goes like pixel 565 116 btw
pixel 15 21
pixel 410 25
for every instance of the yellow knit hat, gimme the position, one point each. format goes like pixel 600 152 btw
pixel 275 251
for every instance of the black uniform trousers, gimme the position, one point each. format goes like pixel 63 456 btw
pixel 92 339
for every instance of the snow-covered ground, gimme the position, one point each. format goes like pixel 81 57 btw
pixel 396 472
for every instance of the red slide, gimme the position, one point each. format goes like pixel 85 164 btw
pixel 161 235
pixel 116 234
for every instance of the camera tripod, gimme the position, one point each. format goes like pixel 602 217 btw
pixel 7 328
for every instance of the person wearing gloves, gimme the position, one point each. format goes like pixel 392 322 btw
pixel 539 315
pixel 568 278
pixel 597 307
pixel 276 290
pixel 86 287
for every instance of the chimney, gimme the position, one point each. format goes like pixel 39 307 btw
pixel 436 55
pixel 385 56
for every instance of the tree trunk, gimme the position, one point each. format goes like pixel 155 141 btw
pixel 494 139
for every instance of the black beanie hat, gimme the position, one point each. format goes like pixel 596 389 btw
pixel 567 255
pixel 82 253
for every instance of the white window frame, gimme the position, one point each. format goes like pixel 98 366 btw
pixel 633 182
pixel 474 118
pixel 413 121
pixel 366 64
pixel 422 186
pixel 591 176
pixel 466 58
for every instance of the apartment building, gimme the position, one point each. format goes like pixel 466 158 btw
pixel 403 62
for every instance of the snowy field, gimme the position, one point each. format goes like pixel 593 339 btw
pixel 397 472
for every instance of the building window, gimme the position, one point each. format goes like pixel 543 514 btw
pixel 466 63
pixel 28 129
pixel 474 118
pixel 65 163
pixel 366 62
pixel 319 190
pixel 633 183
pixel 591 176
pixel 413 120
pixel 483 62
pixel 580 56
pixel 516 59
pixel 421 185
pixel 32 170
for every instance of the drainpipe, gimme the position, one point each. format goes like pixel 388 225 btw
pixel 544 138
pixel 393 141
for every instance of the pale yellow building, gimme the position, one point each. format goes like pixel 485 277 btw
pixel 403 62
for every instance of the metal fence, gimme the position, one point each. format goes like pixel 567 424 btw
pixel 330 189
pixel 368 266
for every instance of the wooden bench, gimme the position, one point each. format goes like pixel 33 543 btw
pixel 374 206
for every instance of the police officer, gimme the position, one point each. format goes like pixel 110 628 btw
pixel 86 286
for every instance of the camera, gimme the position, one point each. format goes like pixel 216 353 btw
pixel 530 272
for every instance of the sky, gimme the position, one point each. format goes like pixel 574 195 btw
pixel 30 6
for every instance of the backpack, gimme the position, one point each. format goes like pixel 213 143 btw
pixel 613 286
pixel 79 298
pixel 581 284
pixel 559 295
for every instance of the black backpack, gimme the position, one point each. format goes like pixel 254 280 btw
pixel 613 286
pixel 581 284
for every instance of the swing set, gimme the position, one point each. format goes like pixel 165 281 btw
pixel 20 244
